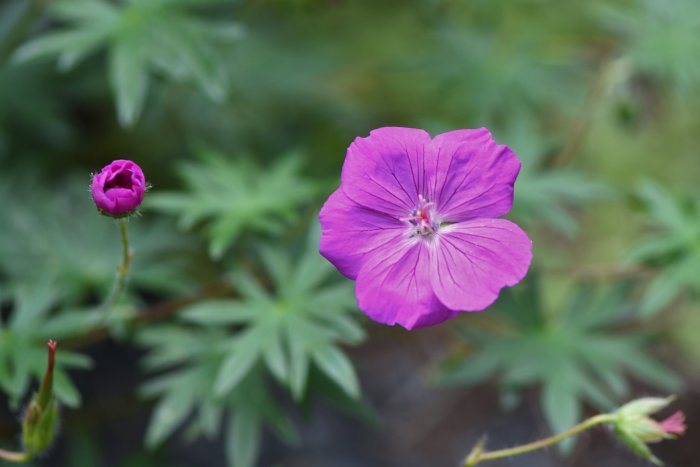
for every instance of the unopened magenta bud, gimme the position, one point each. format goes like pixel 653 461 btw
pixel 118 189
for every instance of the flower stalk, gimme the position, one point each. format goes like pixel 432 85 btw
pixel 122 269
pixel 118 190
pixel 479 455
pixel 631 424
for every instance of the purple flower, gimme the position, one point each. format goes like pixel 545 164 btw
pixel 119 188
pixel 414 223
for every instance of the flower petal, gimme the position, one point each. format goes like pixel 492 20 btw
pixel 385 171
pixel 472 176
pixel 350 232
pixel 394 287
pixel 473 260
pixel 475 136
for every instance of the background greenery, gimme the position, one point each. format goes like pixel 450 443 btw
pixel 232 346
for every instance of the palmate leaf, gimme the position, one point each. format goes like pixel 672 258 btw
pixel 233 196
pixel 289 328
pixel 141 37
pixel 219 360
pixel 23 341
pixel 546 195
pixel 575 356
pixel 672 247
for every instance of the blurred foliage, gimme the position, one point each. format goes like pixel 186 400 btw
pixel 236 195
pixel 23 338
pixel 142 37
pixel 586 93
pixel 673 248
pixel 546 195
pixel 281 332
pixel 660 38
pixel 41 239
pixel 577 353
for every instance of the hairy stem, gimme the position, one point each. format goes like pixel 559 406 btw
pixel 122 269
pixel 478 455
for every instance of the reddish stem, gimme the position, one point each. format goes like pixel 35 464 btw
pixel 46 388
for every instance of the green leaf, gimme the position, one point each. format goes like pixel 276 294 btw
pixel 168 414
pixel 232 196
pixel 560 405
pixel 128 75
pixel 580 354
pixel 661 291
pixel 298 366
pixel 471 371
pixel 218 312
pixel 66 392
pixel 243 444
pixel 337 366
pixel 276 359
pixel 244 354
pixel 71 46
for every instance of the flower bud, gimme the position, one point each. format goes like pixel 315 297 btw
pixel 119 188
pixel 634 427
pixel 41 417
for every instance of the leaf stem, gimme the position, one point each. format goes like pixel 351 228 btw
pixel 478 455
pixel 13 456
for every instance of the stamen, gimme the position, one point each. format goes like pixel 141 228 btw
pixel 423 217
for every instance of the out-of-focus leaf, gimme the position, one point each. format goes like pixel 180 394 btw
pixel 560 404
pixel 129 79
pixel 23 354
pixel 660 38
pixel 546 195
pixel 244 438
pixel 671 249
pixel 336 365
pixel 577 355
pixel 281 327
pixel 168 414
pixel 141 38
pixel 40 238
pixel 232 196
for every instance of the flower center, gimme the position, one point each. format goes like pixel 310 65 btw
pixel 422 219
pixel 121 180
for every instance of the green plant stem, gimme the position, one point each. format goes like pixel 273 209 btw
pixel 478 455
pixel 12 456
pixel 122 269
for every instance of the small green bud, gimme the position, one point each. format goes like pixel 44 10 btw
pixel 635 444
pixel 634 427
pixel 41 418
pixel 39 428
pixel 645 406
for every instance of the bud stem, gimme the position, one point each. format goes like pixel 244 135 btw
pixel 122 269
pixel 478 455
